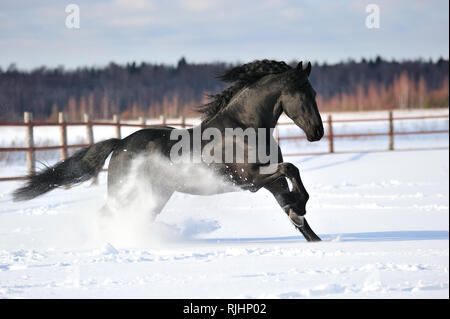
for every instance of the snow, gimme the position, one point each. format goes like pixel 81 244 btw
pixel 383 218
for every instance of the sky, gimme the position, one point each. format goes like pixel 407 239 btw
pixel 34 33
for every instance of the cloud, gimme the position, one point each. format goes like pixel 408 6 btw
pixel 130 22
pixel 197 5
pixel 292 13
pixel 232 30
pixel 134 5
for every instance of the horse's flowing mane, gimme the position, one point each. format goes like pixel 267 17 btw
pixel 240 76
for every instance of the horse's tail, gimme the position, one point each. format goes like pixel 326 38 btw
pixel 81 166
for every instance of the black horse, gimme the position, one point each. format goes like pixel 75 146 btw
pixel 260 92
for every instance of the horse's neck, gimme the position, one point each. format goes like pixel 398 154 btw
pixel 257 108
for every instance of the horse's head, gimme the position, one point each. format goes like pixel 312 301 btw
pixel 298 100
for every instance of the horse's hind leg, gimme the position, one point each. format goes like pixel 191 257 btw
pixel 160 198
pixel 287 199
pixel 150 201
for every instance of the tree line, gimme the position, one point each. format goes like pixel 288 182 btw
pixel 146 89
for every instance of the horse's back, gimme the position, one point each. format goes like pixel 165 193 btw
pixel 154 140
pixel 148 139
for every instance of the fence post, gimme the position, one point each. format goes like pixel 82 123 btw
pixel 162 118
pixel 142 121
pixel 28 118
pixel 89 130
pixel 63 134
pixel 391 131
pixel 330 134
pixel 116 120
pixel 90 138
pixel 183 121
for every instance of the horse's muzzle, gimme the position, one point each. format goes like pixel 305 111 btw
pixel 316 135
pixel 313 139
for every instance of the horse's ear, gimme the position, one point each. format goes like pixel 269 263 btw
pixel 308 69
pixel 300 66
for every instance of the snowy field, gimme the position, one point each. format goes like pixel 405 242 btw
pixel 383 218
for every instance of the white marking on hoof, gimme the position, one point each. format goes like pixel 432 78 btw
pixel 296 219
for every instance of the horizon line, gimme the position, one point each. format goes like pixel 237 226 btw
pixel 16 67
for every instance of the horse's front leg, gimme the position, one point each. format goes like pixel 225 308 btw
pixel 288 201
pixel 293 202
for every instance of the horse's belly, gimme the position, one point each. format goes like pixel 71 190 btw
pixel 195 179
pixel 198 182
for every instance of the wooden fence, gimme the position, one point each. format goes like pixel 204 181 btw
pixel 30 148
pixel 391 133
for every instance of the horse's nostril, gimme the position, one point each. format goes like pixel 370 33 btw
pixel 316 135
pixel 320 132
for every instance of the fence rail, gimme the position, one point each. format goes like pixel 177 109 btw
pixel 30 148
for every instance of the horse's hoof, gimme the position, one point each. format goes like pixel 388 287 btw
pixel 296 219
